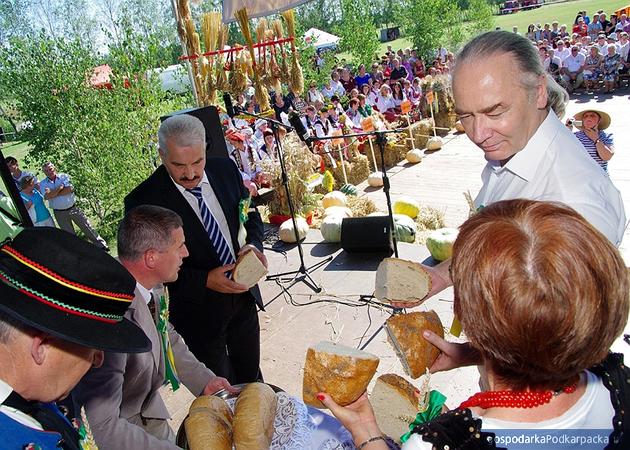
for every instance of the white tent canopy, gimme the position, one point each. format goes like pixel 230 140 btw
pixel 320 39
pixel 257 8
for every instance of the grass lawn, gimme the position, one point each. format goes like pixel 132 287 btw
pixel 19 150
pixel 564 13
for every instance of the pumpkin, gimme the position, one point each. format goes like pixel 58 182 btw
pixel 340 211
pixel 331 228
pixel 459 127
pixel 434 143
pixel 349 189
pixel 286 233
pixel 414 156
pixel 405 228
pixel 440 243
pixel 375 179
pixel 407 206
pixel 334 198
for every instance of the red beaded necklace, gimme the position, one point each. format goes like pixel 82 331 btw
pixel 514 399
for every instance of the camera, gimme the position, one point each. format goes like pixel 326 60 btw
pixel 576 123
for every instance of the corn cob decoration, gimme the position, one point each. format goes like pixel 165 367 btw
pixel 296 78
pixel 260 91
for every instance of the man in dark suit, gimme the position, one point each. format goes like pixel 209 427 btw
pixel 216 316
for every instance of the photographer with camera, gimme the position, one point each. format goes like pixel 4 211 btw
pixel 591 124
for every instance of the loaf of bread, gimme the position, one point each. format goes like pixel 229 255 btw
pixel 395 404
pixel 215 405
pixel 402 281
pixel 254 414
pixel 405 334
pixel 340 371
pixel 249 269
pixel 207 431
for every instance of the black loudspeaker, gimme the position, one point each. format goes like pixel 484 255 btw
pixel 367 235
pixel 209 116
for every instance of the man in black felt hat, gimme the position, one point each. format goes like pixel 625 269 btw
pixel 62 303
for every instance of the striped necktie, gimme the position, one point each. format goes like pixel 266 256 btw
pixel 212 228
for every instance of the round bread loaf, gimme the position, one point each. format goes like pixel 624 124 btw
pixel 207 431
pixel 215 405
pixel 254 414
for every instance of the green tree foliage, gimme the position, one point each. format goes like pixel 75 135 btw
pixel 103 138
pixel 357 31
pixel 431 24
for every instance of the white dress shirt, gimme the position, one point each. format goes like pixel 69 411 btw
pixel 213 204
pixel 15 414
pixel 562 54
pixel 553 166
pixel 573 63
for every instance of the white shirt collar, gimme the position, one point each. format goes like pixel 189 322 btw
pixel 182 189
pixel 5 391
pixel 525 162
pixel 144 292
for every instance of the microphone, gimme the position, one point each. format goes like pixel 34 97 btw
pixel 229 107
pixel 296 123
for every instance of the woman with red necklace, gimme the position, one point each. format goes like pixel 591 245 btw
pixel 541 296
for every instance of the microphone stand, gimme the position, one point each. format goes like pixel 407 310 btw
pixel 303 271
pixel 381 140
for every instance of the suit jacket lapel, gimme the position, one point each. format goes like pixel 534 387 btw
pixel 141 316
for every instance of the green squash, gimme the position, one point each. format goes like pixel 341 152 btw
pixel 405 228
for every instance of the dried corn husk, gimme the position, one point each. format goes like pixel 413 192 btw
pixel 262 96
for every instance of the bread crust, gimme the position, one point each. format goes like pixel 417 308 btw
pixel 248 269
pixel 405 334
pixel 384 281
pixel 207 431
pixel 254 414
pixel 343 377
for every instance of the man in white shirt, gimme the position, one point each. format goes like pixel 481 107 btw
pixel 624 46
pixel 602 44
pixel 561 50
pixel 500 92
pixel 572 68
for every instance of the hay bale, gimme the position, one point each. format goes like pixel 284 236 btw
pixel 357 171
pixel 361 206
pixel 428 219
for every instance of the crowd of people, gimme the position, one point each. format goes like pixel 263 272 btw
pixel 348 97
pixel 593 51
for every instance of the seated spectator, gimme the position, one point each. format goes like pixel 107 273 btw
pixel 313 95
pixel 337 104
pixel 385 103
pixel 353 114
pixel 602 44
pixel 561 50
pixel 541 312
pixel 336 85
pixel 604 22
pixel 572 68
pixel 624 46
pixel 555 31
pixel 591 134
pixel 595 27
pixel 362 77
pixel 563 32
pixel 333 118
pixel 409 93
pixel 419 69
pixel 327 90
pixel 623 23
pixel 531 32
pixel 592 68
pixel 613 25
pixel 366 89
pixel 405 63
pixel 347 80
pixel 416 88
pixel 376 73
pixel 364 109
pixel 397 95
pixel 610 67
pixel 297 102
pixel 269 145
pixel 34 202
pixel 280 105
pixel 247 159
pixel 386 69
pixel 552 65
pixel 580 27
pixel 399 73
pixel 546 32
pixel 354 93
pixel 309 119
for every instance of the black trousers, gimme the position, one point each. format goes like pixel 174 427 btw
pixel 223 333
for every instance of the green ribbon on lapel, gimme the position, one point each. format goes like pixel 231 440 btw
pixel 436 403
pixel 243 209
pixel 170 372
